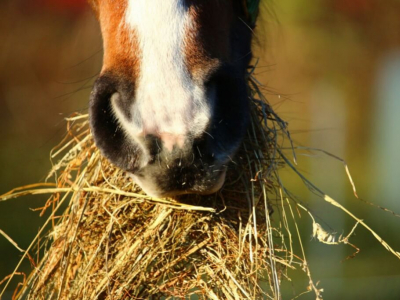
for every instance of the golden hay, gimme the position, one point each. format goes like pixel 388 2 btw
pixel 114 242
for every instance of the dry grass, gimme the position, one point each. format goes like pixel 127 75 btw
pixel 114 242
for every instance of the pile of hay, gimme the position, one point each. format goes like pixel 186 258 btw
pixel 114 242
pixel 108 240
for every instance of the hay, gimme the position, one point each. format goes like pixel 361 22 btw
pixel 113 242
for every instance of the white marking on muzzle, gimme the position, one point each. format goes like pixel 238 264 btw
pixel 167 101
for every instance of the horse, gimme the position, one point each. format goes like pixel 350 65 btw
pixel 171 106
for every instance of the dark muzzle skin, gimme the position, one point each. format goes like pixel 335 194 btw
pixel 179 171
pixel 198 163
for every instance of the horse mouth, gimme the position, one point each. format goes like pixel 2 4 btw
pixel 205 187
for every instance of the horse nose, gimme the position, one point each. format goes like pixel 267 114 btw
pixel 168 147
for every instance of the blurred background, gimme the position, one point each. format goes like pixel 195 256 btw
pixel 330 68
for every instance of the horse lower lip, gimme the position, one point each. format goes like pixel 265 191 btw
pixel 220 182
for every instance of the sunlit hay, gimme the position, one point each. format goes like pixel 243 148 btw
pixel 114 242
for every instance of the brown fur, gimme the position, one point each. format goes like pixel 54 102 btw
pixel 121 50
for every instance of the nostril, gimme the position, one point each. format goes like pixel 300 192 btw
pixel 122 101
pixel 108 135
pixel 121 105
pixel 102 122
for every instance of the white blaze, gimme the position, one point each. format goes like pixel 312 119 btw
pixel 167 101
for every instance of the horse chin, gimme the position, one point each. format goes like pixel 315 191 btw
pixel 154 191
